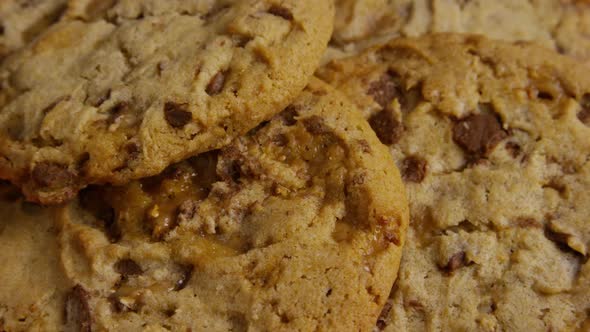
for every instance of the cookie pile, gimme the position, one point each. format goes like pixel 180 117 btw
pixel 294 165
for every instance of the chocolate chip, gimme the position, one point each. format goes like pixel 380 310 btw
pixel 52 175
pixel 281 11
pixel 216 84
pixel 1 29
pixel 315 125
pixel 77 310
pixel 414 169
pixel 177 115
pixel 128 268
pixel 456 262
pixel 513 149
pixel 386 126
pixel 185 276
pixel 385 90
pixel 478 134
pixel 584 114
pixel 289 114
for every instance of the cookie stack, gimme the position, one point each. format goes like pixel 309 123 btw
pixel 232 165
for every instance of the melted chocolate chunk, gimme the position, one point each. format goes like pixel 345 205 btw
pixel 216 84
pixel 315 125
pixel 52 175
pixel 386 126
pixel 414 169
pixel 177 115
pixel 478 134
pixel 289 114
pixel 385 90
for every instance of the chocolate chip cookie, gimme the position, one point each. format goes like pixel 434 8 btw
pixel 493 143
pixel 119 90
pixel 32 283
pixel 559 24
pixel 297 225
pixel 22 20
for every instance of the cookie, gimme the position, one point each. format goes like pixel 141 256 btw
pixel 558 24
pixel 493 143
pixel 297 226
pixel 22 20
pixel 31 280
pixel 119 90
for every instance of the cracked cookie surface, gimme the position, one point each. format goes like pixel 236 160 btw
pixel 493 142
pixel 293 226
pixel 119 90
pixel 563 25
pixel 23 20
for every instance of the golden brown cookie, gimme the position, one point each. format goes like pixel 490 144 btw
pixel 297 225
pixel 493 142
pixel 119 90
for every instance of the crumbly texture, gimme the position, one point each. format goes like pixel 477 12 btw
pixel 563 25
pixel 119 90
pixel 22 20
pixel 493 142
pixel 32 283
pixel 296 226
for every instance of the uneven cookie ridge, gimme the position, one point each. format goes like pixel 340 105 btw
pixel 22 21
pixel 557 24
pixel 120 90
pixel 293 226
pixel 492 140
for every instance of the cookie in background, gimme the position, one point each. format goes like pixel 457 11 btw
pixel 492 140
pixel 561 25
pixel 32 285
